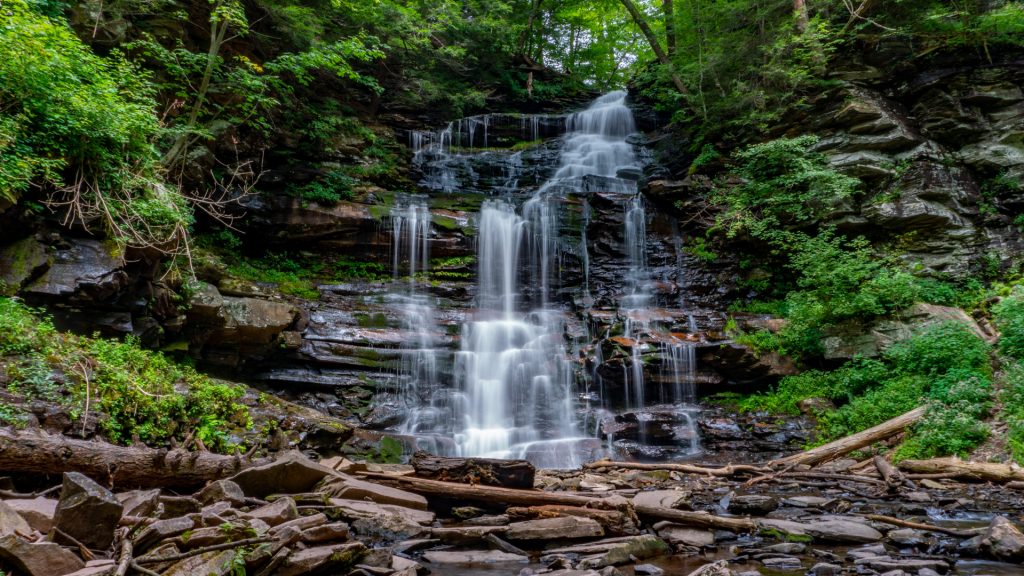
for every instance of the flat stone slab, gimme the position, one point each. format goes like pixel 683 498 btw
pixel 555 528
pixel 293 473
pixel 662 499
pixel 353 489
pixel 473 557
pixel 39 558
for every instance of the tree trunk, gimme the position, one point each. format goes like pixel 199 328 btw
pixel 729 470
pixel 487 494
pixel 800 8
pixel 112 465
pixel 507 473
pixel 697 519
pixel 670 27
pixel 659 52
pixel 956 468
pixel 524 37
pixel 843 446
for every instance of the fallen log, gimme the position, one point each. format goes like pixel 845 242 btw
pixel 478 493
pixel 112 465
pixel 492 472
pixel 957 468
pixel 921 526
pixel 843 446
pixel 697 519
pixel 730 470
pixel 893 477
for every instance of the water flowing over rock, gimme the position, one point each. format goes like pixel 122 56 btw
pixel 562 235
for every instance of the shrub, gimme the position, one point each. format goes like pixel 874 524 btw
pixel 892 398
pixel 843 383
pixel 1009 319
pixel 940 348
pixel 1012 398
pixel 944 430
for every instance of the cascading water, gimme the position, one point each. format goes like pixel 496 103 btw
pixel 419 396
pixel 516 371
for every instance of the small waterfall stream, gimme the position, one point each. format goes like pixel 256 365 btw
pixel 517 376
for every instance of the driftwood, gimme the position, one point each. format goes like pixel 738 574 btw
pixel 124 467
pixel 893 477
pixel 730 470
pixel 843 446
pixel 956 468
pixel 920 526
pixel 507 473
pixel 697 519
pixel 478 493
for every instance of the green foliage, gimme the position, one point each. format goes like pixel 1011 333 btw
pixel 886 401
pixel 941 348
pixel 786 185
pixel 1012 399
pixel 1008 315
pixel 142 394
pixel 697 246
pixel 330 188
pixel 945 366
pixel 81 128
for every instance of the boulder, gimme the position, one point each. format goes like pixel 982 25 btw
pixel 38 512
pixel 86 269
pixel 359 509
pixel 222 491
pixel 613 551
pixel 352 489
pixel 548 528
pixel 162 530
pixel 277 512
pixel 662 499
pixel 337 558
pixel 22 260
pixel 12 522
pixel 292 473
pixel 1002 540
pixel 208 564
pixel 843 530
pixel 325 533
pixel 683 535
pixel 140 502
pixel 37 559
pixel 87 512
pixel 752 504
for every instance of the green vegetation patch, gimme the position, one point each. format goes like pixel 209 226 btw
pixel 140 394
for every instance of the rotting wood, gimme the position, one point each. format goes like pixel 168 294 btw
pixel 493 472
pixel 112 465
pixel 956 468
pixel 844 446
pixel 893 477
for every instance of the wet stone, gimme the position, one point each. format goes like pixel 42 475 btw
pixel 908 537
pixel 86 512
pixel 782 563
pixel 752 504
pixel 825 569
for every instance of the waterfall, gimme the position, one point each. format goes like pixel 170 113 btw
pixel 418 372
pixel 516 370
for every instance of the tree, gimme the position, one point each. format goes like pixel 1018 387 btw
pixel 655 44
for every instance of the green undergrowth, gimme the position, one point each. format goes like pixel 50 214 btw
pixel 296 274
pixel 137 394
pixel 944 366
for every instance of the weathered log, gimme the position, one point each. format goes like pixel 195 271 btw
pixel 112 465
pixel 697 519
pixel 920 526
pixel 957 468
pixel 730 470
pixel 478 493
pixel 489 471
pixel 893 478
pixel 843 446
